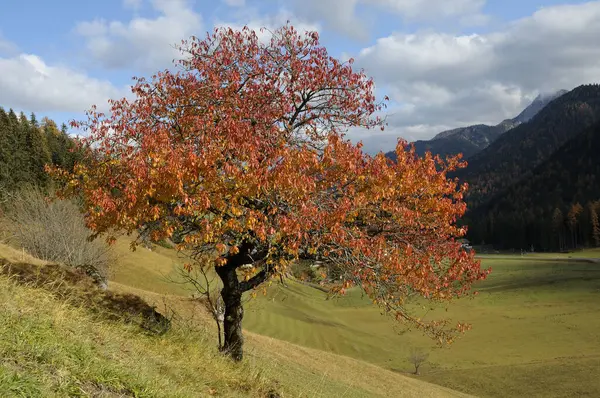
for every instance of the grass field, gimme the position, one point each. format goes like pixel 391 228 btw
pixel 536 332
pixel 536 329
pixel 54 348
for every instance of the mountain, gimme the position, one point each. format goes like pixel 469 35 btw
pixel 535 210
pixel 465 140
pixel 537 105
pixel 472 139
pixel 517 152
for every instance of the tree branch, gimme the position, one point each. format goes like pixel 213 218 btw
pixel 257 279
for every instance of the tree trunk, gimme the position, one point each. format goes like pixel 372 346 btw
pixel 233 341
pixel 234 313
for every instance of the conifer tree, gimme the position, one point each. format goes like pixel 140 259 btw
pixel 38 153
pixel 5 152
pixel 557 225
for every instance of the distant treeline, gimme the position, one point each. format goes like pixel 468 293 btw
pixel 562 229
pixel 27 145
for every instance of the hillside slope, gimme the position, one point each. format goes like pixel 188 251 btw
pixel 522 215
pixel 521 149
pixel 52 347
pixel 533 327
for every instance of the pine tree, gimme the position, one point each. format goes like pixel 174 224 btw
pixel 27 145
pixel 33 120
pixel 57 143
pixel 13 148
pixel 21 167
pixel 39 154
pixel 5 152
pixel 557 226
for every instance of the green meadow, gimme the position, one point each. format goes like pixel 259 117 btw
pixel 536 332
pixel 54 345
pixel 535 324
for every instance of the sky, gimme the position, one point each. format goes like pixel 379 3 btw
pixel 443 63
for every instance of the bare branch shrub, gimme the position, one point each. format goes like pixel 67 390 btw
pixel 417 357
pixel 207 289
pixel 54 230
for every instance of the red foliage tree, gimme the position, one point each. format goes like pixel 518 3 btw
pixel 242 153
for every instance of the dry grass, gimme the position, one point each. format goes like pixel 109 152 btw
pixel 314 373
pixel 51 347
pixel 11 254
pixel 55 341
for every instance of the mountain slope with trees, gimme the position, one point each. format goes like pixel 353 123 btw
pixel 555 208
pixel 516 153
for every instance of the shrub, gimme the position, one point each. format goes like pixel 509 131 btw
pixel 54 230
pixel 305 271
pixel 417 357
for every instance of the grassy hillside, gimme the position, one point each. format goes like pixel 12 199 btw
pixel 535 329
pixel 55 346
pixel 51 348
pixel 534 333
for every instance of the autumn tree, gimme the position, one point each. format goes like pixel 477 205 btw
pixel 241 153
pixel 573 220
pixel 594 222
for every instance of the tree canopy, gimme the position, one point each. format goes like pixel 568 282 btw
pixel 241 152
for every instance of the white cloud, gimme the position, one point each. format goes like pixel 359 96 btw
pixel 474 20
pixel 444 80
pixel 142 43
pixel 343 16
pixel 338 15
pixel 27 82
pixel 270 22
pixel 430 9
